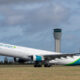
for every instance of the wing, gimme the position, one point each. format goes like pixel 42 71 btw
pixel 52 57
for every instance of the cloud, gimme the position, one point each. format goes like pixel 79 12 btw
pixel 22 1
pixel 34 14
pixel 30 22
pixel 10 31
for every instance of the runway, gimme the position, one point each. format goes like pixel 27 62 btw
pixel 24 72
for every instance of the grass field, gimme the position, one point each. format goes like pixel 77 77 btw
pixel 23 72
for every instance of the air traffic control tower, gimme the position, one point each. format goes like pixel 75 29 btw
pixel 57 36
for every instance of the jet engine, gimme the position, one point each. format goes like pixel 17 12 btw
pixel 37 58
pixel 20 60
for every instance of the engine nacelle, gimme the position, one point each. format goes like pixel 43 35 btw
pixel 38 58
pixel 20 60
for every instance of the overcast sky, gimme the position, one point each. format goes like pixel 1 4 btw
pixel 30 23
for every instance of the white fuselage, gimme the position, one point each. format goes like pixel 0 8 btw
pixel 23 52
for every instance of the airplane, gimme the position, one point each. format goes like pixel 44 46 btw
pixel 39 57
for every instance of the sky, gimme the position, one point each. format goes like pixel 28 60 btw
pixel 30 23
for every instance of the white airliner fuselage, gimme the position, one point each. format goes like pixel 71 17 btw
pixel 21 52
pixel 38 55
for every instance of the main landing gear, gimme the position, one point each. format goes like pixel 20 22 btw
pixel 39 64
pixel 47 65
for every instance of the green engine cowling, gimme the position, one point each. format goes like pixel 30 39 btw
pixel 38 58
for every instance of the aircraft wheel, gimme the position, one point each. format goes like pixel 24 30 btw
pixel 38 64
pixel 47 65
